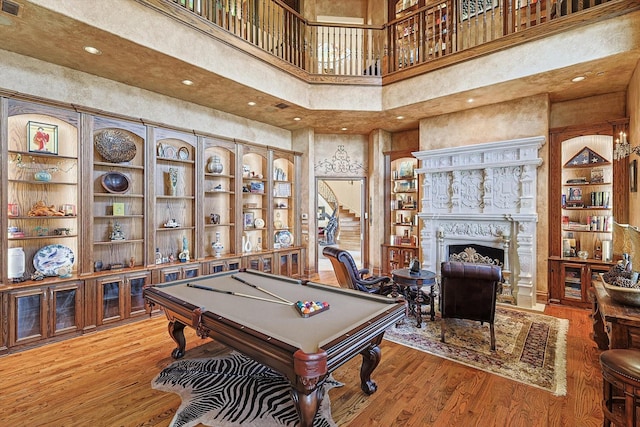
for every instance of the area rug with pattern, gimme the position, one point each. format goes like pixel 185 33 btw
pixel 530 347
pixel 234 390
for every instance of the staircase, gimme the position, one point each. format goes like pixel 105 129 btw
pixel 348 236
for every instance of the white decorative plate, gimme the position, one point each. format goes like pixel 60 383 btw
pixel 170 152
pixel 50 258
pixel 258 223
pixel 183 153
pixel 284 237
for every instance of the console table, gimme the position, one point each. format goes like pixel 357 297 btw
pixel 614 325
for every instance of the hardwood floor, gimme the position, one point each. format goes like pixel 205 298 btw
pixel 103 379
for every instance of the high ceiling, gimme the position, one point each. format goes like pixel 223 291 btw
pixel 46 35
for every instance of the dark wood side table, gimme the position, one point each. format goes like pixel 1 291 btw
pixel 614 325
pixel 405 278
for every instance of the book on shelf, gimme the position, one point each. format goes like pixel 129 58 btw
pixel 578 180
pixel 600 199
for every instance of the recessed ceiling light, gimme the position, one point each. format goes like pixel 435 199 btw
pixel 187 82
pixel 92 50
pixel 470 100
pixel 578 79
pixel 400 117
pixel 343 129
pixel 251 103
pixel 297 119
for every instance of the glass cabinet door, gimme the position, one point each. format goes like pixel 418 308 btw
pixel 28 312
pixel 284 265
pixel 66 308
pixel 572 276
pixel 110 299
pixel 295 265
pixel 135 287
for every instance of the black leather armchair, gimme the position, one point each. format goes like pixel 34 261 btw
pixel 468 291
pixel 349 276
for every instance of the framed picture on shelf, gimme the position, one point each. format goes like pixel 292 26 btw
pixel 597 176
pixel 249 220
pixel 575 194
pixel 42 138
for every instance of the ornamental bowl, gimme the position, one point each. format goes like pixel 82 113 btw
pixel 626 296
pixel 115 182
pixel 115 146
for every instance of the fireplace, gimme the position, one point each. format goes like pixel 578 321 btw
pixel 485 195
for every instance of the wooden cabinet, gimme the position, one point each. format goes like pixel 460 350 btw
pixel 119 296
pixel 395 257
pixel 290 263
pixel 220 189
pixel 587 203
pixel 401 218
pixel 116 224
pixel 588 189
pixel 41 190
pixel 255 199
pixel 120 205
pixel 219 265
pixel 42 312
pixel 281 220
pixel 172 215
pixel 570 280
pixel 261 262
pixel 177 272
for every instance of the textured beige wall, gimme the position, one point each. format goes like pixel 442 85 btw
pixel 408 140
pixel 521 118
pixel 351 8
pixel 594 109
pixel 44 80
pixel 633 111
pixel 327 152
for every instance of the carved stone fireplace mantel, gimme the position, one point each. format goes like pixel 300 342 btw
pixel 483 194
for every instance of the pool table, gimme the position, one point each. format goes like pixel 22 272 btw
pixel 261 325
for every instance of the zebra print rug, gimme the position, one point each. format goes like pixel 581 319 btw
pixel 234 390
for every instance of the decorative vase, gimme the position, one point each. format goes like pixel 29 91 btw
pixel 42 176
pixel 172 182
pixel 214 165
pixel 217 246
pixel 246 244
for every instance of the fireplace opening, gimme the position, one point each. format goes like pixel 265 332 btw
pixel 476 253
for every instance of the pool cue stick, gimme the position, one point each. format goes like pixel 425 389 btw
pixel 260 289
pixel 206 288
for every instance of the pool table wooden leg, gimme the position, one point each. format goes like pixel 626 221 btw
pixel 370 360
pixel 176 332
pixel 307 404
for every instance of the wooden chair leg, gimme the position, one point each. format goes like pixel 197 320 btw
pixel 493 337
pixel 442 328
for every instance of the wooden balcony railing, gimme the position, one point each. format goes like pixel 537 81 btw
pixel 431 32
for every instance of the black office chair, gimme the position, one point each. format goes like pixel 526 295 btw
pixel 349 276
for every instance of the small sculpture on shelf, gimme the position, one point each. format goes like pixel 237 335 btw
pixel 172 223
pixel 184 255
pixel 116 232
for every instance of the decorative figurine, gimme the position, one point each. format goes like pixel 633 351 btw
pixel 184 255
pixel 116 232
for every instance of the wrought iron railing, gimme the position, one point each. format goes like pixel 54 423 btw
pixel 426 34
